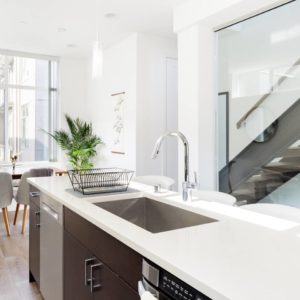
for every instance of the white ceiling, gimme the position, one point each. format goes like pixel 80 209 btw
pixel 32 25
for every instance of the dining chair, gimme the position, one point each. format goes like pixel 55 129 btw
pixel 6 197
pixel 22 195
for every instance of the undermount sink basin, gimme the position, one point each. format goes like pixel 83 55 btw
pixel 152 215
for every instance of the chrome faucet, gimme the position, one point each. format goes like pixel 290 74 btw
pixel 187 186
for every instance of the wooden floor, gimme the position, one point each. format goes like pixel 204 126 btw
pixel 14 284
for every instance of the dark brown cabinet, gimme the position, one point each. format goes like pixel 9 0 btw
pixel 34 236
pixel 96 265
pixel 75 269
pixel 86 277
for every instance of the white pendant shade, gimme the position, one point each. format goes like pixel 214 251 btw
pixel 97 67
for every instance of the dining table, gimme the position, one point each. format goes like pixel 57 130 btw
pixel 16 173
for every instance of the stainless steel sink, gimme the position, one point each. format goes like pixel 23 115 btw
pixel 152 215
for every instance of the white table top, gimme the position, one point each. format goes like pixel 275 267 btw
pixel 23 167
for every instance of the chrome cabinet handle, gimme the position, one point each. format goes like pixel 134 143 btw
pixel 37 213
pixel 86 262
pixel 98 285
pixel 34 194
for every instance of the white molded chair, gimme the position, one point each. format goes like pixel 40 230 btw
pixel 164 181
pixel 22 196
pixel 275 210
pixel 213 196
pixel 6 196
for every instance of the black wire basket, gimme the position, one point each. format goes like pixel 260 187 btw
pixel 104 180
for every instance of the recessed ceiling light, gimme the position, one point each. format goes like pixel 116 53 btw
pixel 110 15
pixel 71 45
pixel 61 29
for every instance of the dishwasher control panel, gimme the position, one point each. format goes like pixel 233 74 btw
pixel 177 289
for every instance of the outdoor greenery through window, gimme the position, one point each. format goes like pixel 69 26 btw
pixel 28 100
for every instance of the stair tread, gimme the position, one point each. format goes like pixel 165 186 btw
pixel 282 167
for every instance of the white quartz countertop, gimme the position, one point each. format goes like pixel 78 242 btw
pixel 243 256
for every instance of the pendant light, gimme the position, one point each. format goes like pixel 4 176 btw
pixel 97 63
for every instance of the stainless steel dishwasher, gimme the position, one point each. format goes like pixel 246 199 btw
pixel 51 249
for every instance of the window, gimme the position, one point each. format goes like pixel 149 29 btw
pixel 28 101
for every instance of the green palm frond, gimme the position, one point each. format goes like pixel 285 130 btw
pixel 80 144
pixel 62 138
pixel 71 125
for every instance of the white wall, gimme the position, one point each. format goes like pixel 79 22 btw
pixel 188 91
pixel 152 57
pixel 136 65
pixel 171 145
pixel 119 74
pixel 197 73
pixel 191 12
pixel 72 93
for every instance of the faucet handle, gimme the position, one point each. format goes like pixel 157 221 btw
pixel 195 184
pixel 157 188
pixel 195 177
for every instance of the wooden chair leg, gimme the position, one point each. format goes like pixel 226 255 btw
pixel 6 222
pixel 16 213
pixel 24 219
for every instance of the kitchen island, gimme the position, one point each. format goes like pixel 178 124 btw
pixel 242 256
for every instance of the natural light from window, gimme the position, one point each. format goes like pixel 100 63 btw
pixel 28 101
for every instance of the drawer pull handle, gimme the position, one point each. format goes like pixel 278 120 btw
pixel 98 285
pixel 34 194
pixel 37 214
pixel 86 263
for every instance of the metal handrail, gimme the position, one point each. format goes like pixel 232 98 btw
pixel 264 97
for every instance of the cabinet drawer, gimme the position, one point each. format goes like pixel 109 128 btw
pixel 117 256
pixel 76 273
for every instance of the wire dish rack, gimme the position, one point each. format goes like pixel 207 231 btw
pixel 104 180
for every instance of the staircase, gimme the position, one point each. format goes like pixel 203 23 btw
pixel 265 167
pixel 270 178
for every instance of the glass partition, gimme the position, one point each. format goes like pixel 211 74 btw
pixel 259 69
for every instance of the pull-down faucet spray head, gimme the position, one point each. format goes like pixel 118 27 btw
pixel 179 135
pixel 157 146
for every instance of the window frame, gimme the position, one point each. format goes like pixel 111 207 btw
pixel 52 103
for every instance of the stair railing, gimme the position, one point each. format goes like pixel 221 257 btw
pixel 264 97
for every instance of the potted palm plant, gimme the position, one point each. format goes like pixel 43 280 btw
pixel 79 143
